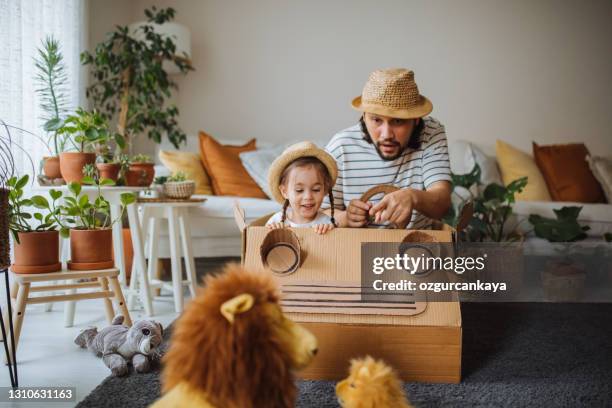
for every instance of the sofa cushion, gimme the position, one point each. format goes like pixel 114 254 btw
pixel 464 155
pixel 515 164
pixel 257 163
pixel 223 165
pixel 567 173
pixel 602 170
pixel 190 164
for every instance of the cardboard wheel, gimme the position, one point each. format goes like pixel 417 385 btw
pixel 418 243
pixel 382 189
pixel 280 251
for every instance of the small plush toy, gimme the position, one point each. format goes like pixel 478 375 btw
pixel 118 344
pixel 371 384
pixel 234 348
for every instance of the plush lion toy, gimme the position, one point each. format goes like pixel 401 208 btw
pixel 234 348
pixel 371 384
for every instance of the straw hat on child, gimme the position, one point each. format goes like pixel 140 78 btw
pixel 293 152
pixel 393 93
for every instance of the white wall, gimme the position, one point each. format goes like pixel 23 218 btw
pixel 281 70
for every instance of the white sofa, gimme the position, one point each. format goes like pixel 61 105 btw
pixel 215 233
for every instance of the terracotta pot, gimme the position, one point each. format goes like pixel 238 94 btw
pixel 140 174
pixel 91 249
pixel 71 165
pixel 37 252
pixel 109 170
pixel 51 167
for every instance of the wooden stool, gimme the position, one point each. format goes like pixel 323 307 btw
pixel 23 288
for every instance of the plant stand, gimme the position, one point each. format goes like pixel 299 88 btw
pixel 24 288
pixel 9 351
pixel 177 214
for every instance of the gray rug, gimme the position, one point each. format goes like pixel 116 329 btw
pixel 514 355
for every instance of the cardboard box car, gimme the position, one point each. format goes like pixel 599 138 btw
pixel 421 340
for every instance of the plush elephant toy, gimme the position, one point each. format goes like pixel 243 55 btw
pixel 119 345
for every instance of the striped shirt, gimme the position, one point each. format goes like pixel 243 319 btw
pixel 360 167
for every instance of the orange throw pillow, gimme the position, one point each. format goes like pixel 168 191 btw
pixel 227 174
pixel 567 173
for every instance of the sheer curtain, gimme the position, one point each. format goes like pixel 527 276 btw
pixel 23 25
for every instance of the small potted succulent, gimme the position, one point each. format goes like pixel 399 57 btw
pixel 36 248
pixel 108 164
pixel 141 171
pixel 563 278
pixel 84 130
pixel 178 186
pixel 91 240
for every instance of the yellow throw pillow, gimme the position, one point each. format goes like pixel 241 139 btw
pixel 190 164
pixel 514 164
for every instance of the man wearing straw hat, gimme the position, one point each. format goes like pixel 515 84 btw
pixel 394 143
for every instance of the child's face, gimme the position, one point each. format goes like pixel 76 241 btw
pixel 305 190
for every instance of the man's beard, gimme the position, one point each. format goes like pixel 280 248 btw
pixel 400 150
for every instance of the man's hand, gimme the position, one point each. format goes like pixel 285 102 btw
pixel 357 213
pixel 394 207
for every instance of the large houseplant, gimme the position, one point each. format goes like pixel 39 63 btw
pixel 35 235
pixel 130 83
pixel 51 81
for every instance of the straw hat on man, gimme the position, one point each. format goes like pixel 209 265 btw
pixel 394 143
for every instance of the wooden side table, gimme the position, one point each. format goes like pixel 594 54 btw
pixel 103 278
pixel 177 214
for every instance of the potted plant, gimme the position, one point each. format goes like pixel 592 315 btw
pixel 36 248
pixel 91 242
pixel 178 186
pixel 563 278
pixel 490 223
pixel 83 130
pixel 141 171
pixel 51 81
pixel 109 165
pixel 129 81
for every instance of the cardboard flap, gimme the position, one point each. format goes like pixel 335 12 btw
pixel 239 216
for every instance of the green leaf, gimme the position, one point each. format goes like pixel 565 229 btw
pixel 120 140
pixel 127 198
pixel 83 201
pixel 40 202
pixel 494 191
pixel 106 182
pixel 55 194
pixel 75 188
pixel 88 180
pixel 38 216
pixel 64 232
pixel 22 182
pixel 568 213
pixel 53 124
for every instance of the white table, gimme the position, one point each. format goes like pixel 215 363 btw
pixel 177 214
pixel 113 195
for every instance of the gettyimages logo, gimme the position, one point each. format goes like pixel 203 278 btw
pixel 414 264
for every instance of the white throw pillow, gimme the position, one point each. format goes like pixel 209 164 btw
pixel 464 155
pixel 257 163
pixel 602 170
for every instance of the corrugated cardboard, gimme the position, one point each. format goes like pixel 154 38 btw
pixel 422 341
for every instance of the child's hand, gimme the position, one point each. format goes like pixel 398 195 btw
pixel 275 225
pixel 323 228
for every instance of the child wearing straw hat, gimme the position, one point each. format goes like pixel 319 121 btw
pixel 300 179
pixel 394 143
